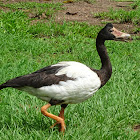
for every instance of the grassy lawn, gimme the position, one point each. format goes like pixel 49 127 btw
pixel 132 15
pixel 24 48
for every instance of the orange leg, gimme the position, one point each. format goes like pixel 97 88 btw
pixel 58 119
pixel 61 115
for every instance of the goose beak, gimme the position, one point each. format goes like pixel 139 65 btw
pixel 120 36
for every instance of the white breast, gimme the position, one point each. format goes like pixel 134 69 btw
pixel 85 84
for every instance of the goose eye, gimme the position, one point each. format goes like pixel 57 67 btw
pixel 111 30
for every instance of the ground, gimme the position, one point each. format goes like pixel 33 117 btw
pixel 83 11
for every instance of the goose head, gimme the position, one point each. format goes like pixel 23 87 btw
pixel 111 33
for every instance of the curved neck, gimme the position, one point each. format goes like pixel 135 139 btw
pixel 106 68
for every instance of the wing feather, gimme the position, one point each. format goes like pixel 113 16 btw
pixel 40 78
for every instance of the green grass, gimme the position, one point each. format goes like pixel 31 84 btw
pixel 24 48
pixel 32 5
pixel 121 16
pixel 36 9
pixel 14 22
pixel 131 15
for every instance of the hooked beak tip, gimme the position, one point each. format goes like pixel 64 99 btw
pixel 124 37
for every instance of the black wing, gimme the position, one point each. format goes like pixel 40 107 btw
pixel 43 77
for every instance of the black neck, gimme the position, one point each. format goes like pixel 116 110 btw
pixel 106 68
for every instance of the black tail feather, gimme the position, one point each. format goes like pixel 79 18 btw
pixel 5 85
pixel 1 87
